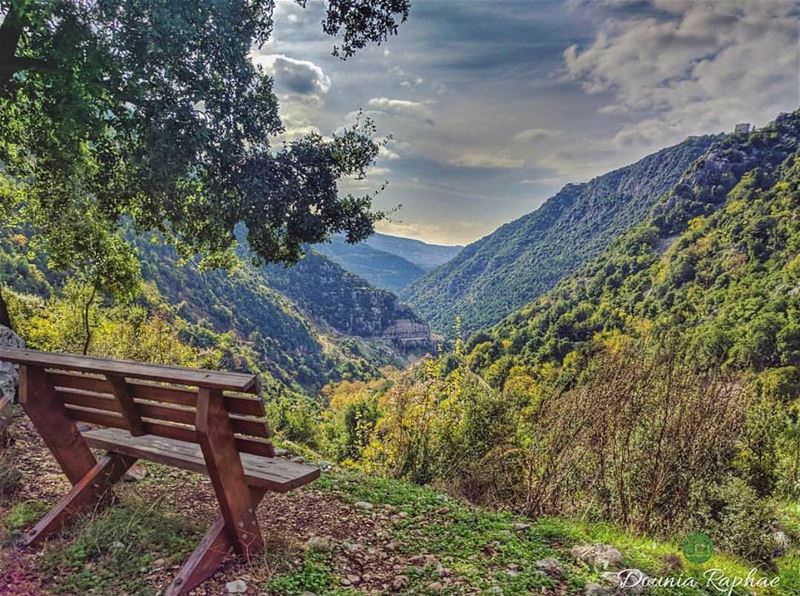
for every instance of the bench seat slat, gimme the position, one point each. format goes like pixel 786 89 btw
pixel 272 473
pixel 172 374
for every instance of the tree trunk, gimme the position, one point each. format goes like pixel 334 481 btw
pixel 5 319
pixel 10 34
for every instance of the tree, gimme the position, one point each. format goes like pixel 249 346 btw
pixel 151 112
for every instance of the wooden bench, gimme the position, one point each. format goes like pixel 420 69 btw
pixel 204 421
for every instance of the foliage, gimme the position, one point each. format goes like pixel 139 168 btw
pixel 521 260
pixel 154 111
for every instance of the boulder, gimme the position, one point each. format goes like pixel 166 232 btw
pixel 598 555
pixel 8 371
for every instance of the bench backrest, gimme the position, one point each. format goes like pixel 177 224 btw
pixel 147 399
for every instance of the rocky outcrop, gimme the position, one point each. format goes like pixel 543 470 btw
pixel 8 371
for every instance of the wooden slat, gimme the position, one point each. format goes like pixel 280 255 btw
pixel 236 404
pixel 78 381
pixel 91 416
pixel 96 401
pixel 167 414
pixel 275 474
pixel 119 387
pixel 127 368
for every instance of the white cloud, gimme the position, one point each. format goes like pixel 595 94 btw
pixel 396 106
pixel 536 134
pixel 474 160
pixel 693 67
pixel 300 77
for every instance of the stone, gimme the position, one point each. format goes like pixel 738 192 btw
pixel 297 459
pixel 354 579
pixel 8 371
pixel 136 473
pixel 159 563
pixel 550 567
pixel 592 589
pixel 281 452
pixel 597 555
pixel 365 505
pixel 398 583
pixel 236 587
pixel 435 587
pixel 325 466
pixel 520 526
pixel 319 544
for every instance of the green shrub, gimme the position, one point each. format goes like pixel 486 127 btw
pixel 736 518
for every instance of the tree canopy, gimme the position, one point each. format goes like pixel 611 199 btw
pixel 152 112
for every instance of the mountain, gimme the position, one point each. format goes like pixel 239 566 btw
pixel 380 268
pixel 717 260
pixel 506 269
pixel 423 255
pixel 303 326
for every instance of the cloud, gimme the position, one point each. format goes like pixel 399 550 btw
pixel 536 134
pixel 692 67
pixel 487 161
pixel 397 106
pixel 300 77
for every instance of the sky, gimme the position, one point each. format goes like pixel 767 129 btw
pixel 494 105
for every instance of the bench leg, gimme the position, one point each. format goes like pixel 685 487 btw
pixel 209 554
pixel 91 491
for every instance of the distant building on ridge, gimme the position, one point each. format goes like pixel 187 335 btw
pixel 742 127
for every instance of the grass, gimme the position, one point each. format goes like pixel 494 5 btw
pixel 487 551
pixel 114 551
pixel 20 516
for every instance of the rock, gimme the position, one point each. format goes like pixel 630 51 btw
pixel 550 567
pixel 435 587
pixel 8 371
pixel 365 505
pixel 592 589
pixel 236 587
pixel 344 581
pixel 354 579
pixel 781 541
pixel 520 526
pixel 319 544
pixel 495 590
pixel 598 555
pixel 627 581
pixel 297 459
pixel 159 563
pixel 442 571
pixel 325 466
pixel 135 473
pixel 400 582
pixel 281 452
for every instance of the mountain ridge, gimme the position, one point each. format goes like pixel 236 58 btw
pixel 504 270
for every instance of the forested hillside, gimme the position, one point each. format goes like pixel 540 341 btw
pixel 717 258
pixel 389 262
pixel 522 259
pixel 380 268
pixel 422 254
pixel 657 387
pixel 303 326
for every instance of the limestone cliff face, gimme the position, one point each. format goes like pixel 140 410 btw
pixel 347 303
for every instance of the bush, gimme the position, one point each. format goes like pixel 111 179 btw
pixel 736 519
pixel 632 439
